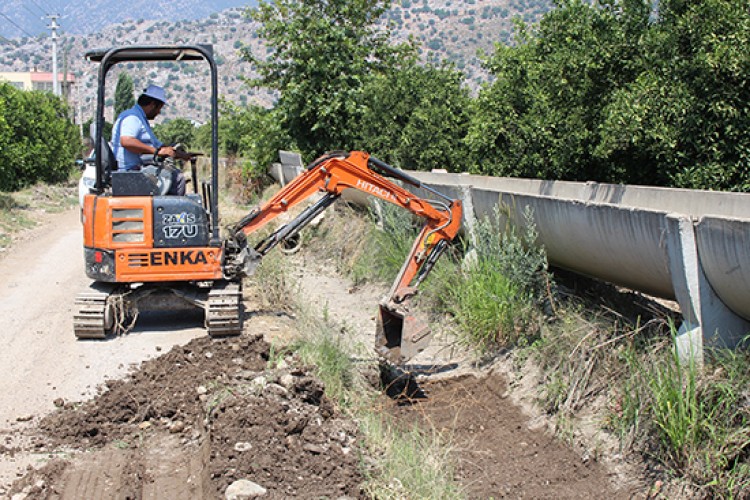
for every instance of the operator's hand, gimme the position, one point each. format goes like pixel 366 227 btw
pixel 173 153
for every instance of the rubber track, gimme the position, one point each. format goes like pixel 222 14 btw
pixel 88 320
pixel 224 310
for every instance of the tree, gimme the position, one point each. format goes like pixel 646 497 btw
pixel 541 116
pixel 123 93
pixel 323 53
pixel 177 130
pixel 611 92
pixel 688 113
pixel 38 141
pixel 416 117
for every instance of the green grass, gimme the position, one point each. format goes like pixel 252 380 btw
pixel 277 290
pixel 412 463
pixel 488 308
pixel 326 352
pixel 677 413
pixel 695 419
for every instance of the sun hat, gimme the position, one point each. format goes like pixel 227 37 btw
pixel 156 92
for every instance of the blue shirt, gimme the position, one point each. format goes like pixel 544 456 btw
pixel 132 123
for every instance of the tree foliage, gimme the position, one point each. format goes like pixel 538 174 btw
pixel 697 82
pixel 621 91
pixel 252 132
pixel 123 93
pixel 540 117
pixel 611 92
pixel 416 117
pixel 322 55
pixel 38 141
pixel 176 131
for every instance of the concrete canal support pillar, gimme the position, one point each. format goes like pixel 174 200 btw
pixel 707 321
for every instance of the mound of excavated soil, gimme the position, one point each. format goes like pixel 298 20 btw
pixel 195 420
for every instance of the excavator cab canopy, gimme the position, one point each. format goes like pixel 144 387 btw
pixel 107 58
pixel 150 53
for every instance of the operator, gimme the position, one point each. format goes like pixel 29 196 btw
pixel 132 137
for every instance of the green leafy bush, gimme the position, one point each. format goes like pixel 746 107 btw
pixel 487 306
pixel 493 299
pixel 698 414
pixel 38 141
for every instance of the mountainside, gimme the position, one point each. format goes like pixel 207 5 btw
pixel 446 29
pixel 20 18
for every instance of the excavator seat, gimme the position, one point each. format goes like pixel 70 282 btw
pixel 133 183
pixel 150 181
pixel 109 162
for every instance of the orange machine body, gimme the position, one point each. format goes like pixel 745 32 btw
pixel 134 239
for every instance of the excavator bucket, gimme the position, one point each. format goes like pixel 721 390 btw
pixel 400 336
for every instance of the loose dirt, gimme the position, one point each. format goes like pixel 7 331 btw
pixel 498 451
pixel 195 418
pixel 40 358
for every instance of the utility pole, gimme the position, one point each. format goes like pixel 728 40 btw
pixel 53 26
pixel 64 89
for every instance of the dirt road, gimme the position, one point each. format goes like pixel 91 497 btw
pixel 40 358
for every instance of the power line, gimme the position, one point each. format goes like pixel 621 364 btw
pixel 47 11
pixel 57 8
pixel 35 5
pixel 42 10
pixel 17 26
pixel 30 11
pixel 34 15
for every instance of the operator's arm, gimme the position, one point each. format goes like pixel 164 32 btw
pixel 131 128
pixel 135 146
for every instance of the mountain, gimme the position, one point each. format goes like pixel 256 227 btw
pixel 452 30
pixel 20 18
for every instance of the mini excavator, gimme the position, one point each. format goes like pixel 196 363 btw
pixel 146 250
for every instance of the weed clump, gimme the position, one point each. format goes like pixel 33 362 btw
pixel 697 418
pixel 494 296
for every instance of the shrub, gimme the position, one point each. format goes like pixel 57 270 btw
pixel 505 275
pixel 698 415
pixel 38 142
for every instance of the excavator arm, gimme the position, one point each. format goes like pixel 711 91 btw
pixel 400 335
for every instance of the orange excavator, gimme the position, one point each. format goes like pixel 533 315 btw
pixel 150 251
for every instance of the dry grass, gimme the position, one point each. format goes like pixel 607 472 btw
pixel 22 210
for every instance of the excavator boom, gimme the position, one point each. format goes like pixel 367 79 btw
pixel 400 335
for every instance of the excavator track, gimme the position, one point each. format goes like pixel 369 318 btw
pixel 224 310
pixel 94 316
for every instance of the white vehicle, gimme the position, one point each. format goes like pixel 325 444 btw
pixel 88 176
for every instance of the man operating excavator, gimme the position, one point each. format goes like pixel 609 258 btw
pixel 132 137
